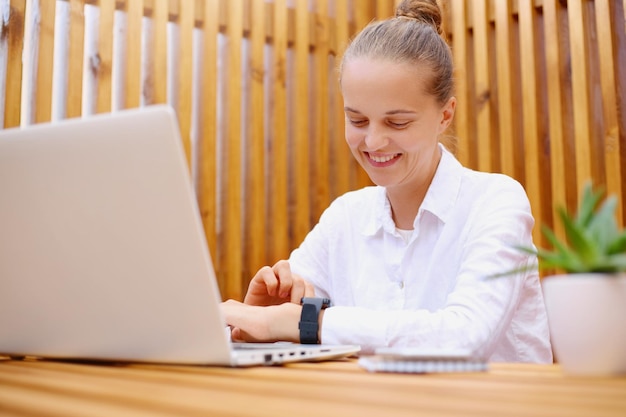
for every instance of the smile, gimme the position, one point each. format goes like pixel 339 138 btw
pixel 381 159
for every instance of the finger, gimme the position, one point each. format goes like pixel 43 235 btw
pixel 309 289
pixel 264 281
pixel 242 336
pixel 297 289
pixel 271 280
pixel 282 270
pixel 236 335
pixel 301 288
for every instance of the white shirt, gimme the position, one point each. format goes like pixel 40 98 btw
pixel 434 291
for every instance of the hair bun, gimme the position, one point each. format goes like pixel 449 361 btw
pixel 426 11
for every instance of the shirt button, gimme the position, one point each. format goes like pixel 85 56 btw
pixel 402 285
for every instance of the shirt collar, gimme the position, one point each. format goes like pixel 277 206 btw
pixel 439 200
pixel 445 187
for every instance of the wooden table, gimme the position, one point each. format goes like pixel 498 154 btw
pixel 339 388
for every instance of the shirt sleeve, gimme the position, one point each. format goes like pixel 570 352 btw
pixel 311 258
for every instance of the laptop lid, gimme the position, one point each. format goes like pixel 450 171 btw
pixel 102 249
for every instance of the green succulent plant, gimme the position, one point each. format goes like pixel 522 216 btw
pixel 594 243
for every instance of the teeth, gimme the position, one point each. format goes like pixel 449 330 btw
pixel 381 159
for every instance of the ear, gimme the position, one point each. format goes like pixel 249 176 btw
pixel 447 114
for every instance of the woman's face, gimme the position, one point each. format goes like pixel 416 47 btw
pixel 392 124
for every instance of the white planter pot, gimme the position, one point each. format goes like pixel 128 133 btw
pixel 587 318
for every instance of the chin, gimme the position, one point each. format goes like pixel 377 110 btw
pixel 381 182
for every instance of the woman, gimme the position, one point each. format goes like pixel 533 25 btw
pixel 407 263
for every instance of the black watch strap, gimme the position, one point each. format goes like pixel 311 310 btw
pixel 309 319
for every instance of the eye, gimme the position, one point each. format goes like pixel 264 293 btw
pixel 357 122
pixel 398 125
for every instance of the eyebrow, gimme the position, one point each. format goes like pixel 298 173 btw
pixel 391 112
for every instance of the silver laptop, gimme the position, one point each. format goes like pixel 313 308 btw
pixel 102 250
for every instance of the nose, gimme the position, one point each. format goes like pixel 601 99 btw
pixel 376 138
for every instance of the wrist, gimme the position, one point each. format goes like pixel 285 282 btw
pixel 319 331
pixel 284 322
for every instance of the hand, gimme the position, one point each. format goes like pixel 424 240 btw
pixel 277 285
pixel 262 324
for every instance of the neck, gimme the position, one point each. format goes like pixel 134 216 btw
pixel 404 205
pixel 406 199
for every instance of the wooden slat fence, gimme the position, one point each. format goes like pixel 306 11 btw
pixel 541 87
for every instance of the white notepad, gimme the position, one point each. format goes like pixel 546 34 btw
pixel 407 360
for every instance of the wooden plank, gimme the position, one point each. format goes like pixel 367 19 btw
pixel 359 178
pixel 606 26
pixel 596 122
pixel 302 181
pixel 134 33
pixel 15 42
pixel 619 51
pixel 207 149
pixel 482 98
pixel 76 58
pixel 341 158
pixel 446 21
pixel 279 233
pixel 160 50
pixel 255 185
pixel 556 84
pixel 49 388
pixel 580 87
pixel 185 72
pixel 104 66
pixel 148 52
pixel 460 56
pixel 505 70
pixel 530 106
pixel 385 9
pixel 198 13
pixel 363 13
pixel 232 214
pixel 323 106
pixel 173 7
pixel 45 60
pixel 5 13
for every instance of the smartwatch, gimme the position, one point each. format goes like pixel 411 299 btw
pixel 309 319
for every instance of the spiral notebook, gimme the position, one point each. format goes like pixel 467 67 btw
pixel 406 360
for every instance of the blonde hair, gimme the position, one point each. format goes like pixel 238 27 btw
pixel 413 36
